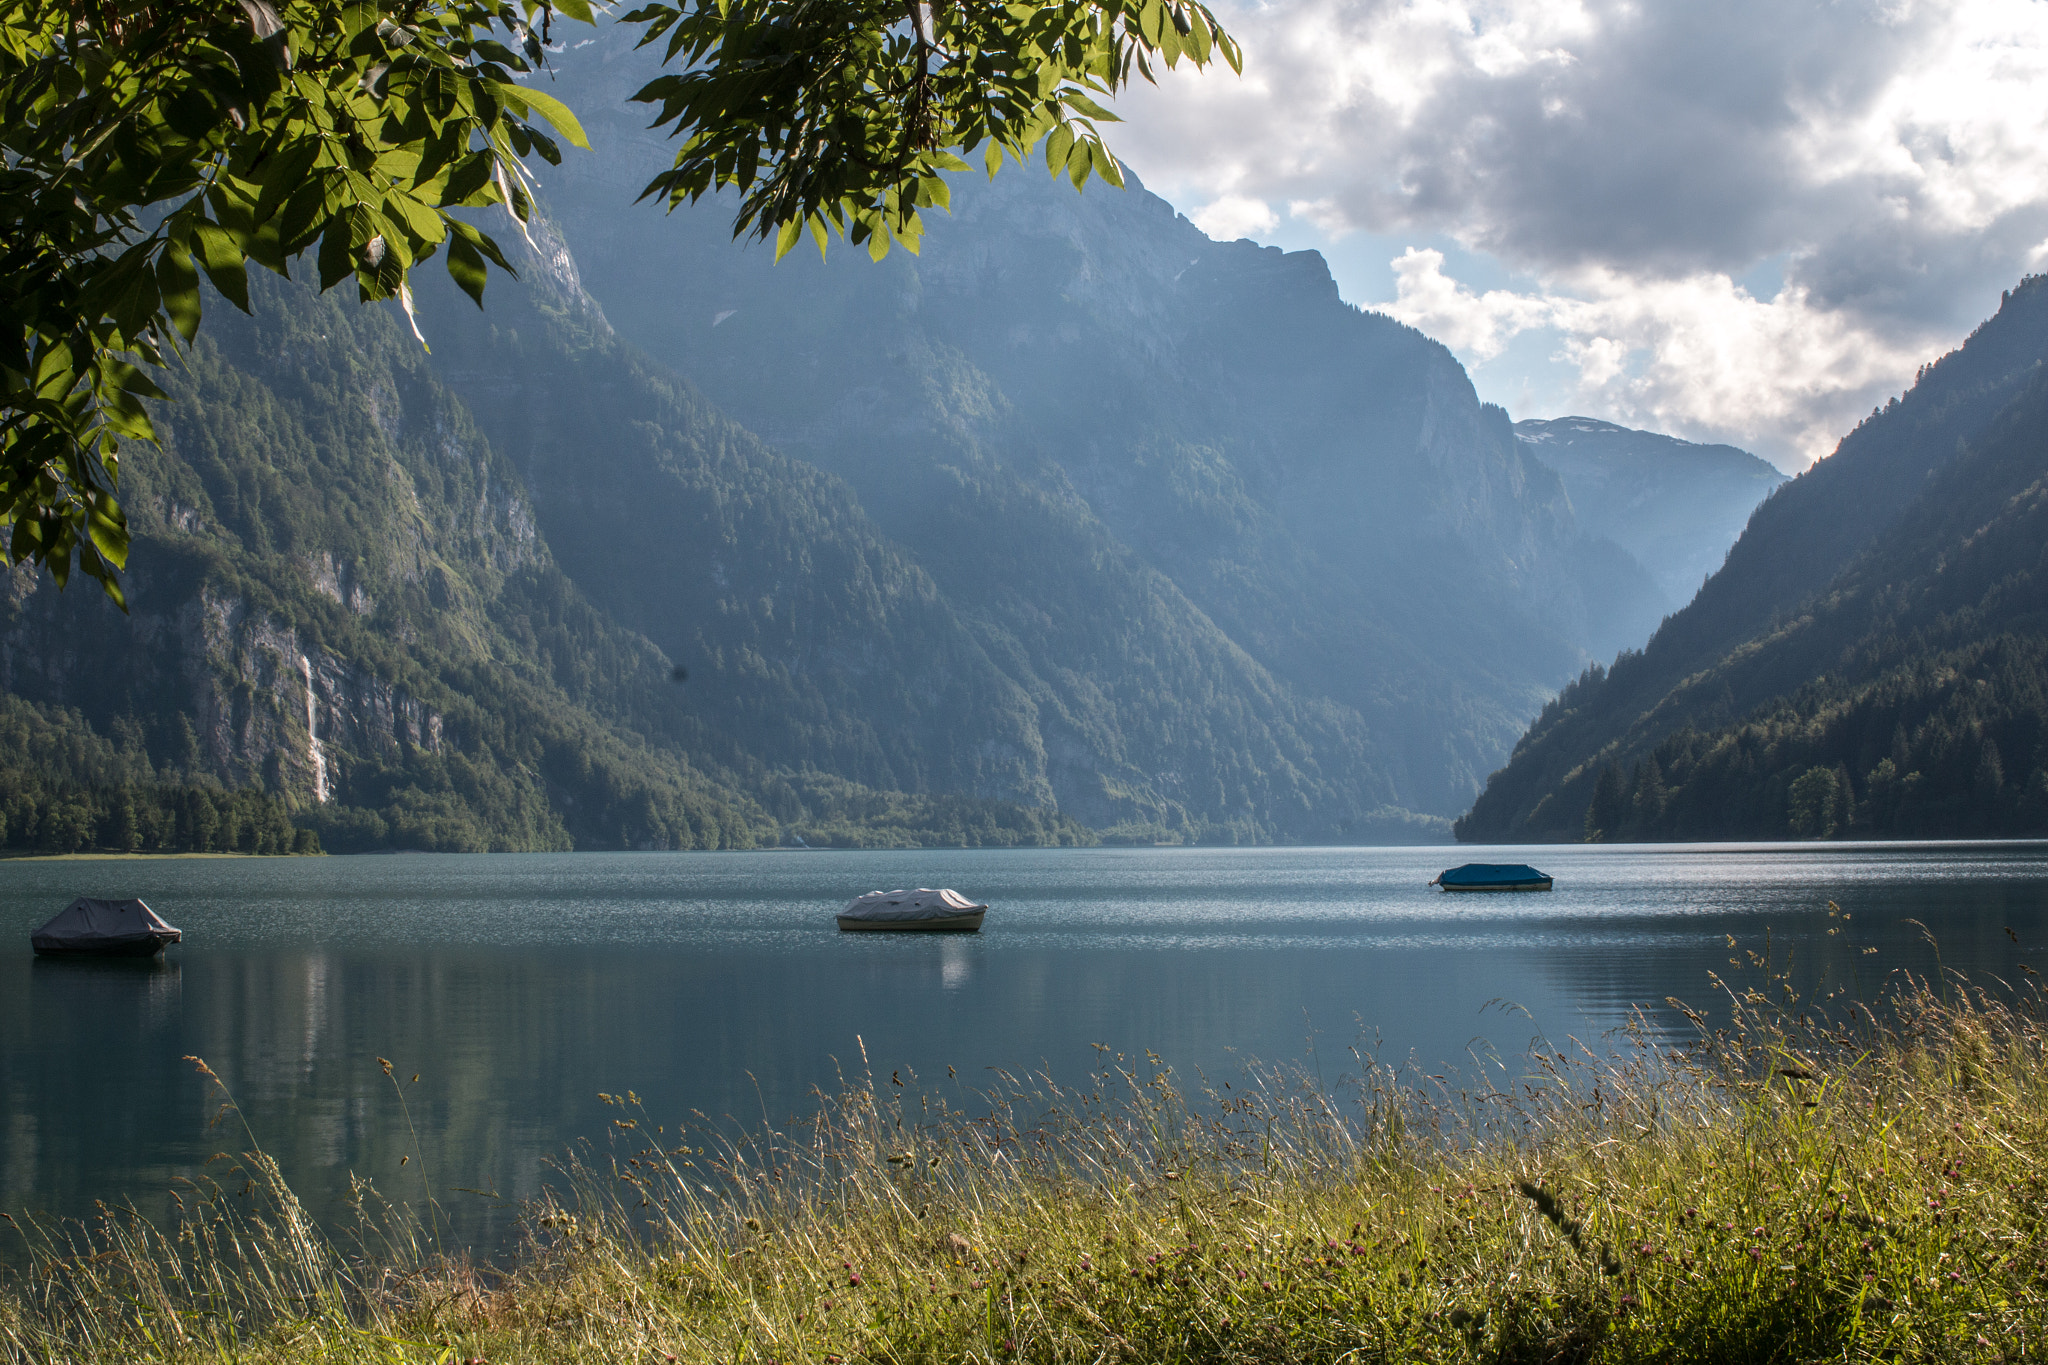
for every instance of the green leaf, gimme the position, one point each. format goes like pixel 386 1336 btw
pixel 177 281
pixel 108 528
pixel 1108 167
pixel 1152 21
pixel 337 254
pixel 466 267
pixel 1079 100
pixel 1057 146
pixel 551 109
pixel 307 211
pixel 1170 46
pixel 422 222
pixel 191 112
pixel 785 238
pixel 133 380
pixel 224 263
pixel 470 175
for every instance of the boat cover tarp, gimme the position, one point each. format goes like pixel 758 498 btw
pixel 87 925
pixel 1492 874
pixel 922 903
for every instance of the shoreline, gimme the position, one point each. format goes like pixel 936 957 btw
pixel 1787 1187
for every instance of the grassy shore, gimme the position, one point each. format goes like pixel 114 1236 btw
pixel 1868 1187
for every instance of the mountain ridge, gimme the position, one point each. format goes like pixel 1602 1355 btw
pixel 1676 506
pixel 1362 527
pixel 1077 525
pixel 1770 679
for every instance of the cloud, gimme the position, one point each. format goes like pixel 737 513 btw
pixel 1628 159
pixel 1478 326
pixel 1232 216
pixel 1697 354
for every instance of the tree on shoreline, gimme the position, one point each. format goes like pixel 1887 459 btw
pixel 146 145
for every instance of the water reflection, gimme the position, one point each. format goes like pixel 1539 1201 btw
pixel 517 988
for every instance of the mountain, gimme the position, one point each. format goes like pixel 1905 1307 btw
pixel 1675 505
pixel 1078 524
pixel 1869 660
pixel 342 596
pixel 1189 497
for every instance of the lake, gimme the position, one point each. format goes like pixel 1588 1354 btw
pixel 518 987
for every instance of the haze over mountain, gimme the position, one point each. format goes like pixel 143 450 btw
pixel 1870 660
pixel 1079 519
pixel 1675 505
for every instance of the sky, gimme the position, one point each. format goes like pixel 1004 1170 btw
pixel 1748 221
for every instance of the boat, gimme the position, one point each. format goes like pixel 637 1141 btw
pixel 97 928
pixel 1492 877
pixel 922 911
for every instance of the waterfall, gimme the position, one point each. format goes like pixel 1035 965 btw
pixel 313 749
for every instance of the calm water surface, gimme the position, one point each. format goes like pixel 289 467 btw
pixel 520 986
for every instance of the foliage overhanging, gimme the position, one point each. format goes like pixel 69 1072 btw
pixel 146 145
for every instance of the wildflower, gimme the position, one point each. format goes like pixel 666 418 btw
pixel 853 1280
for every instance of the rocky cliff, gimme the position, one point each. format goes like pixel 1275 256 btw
pixel 1130 457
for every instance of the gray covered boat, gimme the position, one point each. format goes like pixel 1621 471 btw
pixel 95 928
pixel 920 911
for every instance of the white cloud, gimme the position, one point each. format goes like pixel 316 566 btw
pixel 1627 160
pixel 1232 216
pixel 1697 354
pixel 1477 326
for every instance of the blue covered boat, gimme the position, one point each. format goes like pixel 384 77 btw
pixel 1493 877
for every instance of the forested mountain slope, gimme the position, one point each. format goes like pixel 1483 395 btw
pixel 1078 521
pixel 341 596
pixel 1177 485
pixel 813 641
pixel 1675 505
pixel 1899 691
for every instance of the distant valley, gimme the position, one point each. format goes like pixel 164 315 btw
pixel 1871 661
pixel 1675 505
pixel 1079 525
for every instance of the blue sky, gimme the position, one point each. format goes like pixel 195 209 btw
pixel 1747 221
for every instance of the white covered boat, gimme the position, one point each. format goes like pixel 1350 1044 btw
pixel 97 928
pixel 919 911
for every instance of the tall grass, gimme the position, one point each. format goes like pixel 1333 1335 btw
pixel 1790 1187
